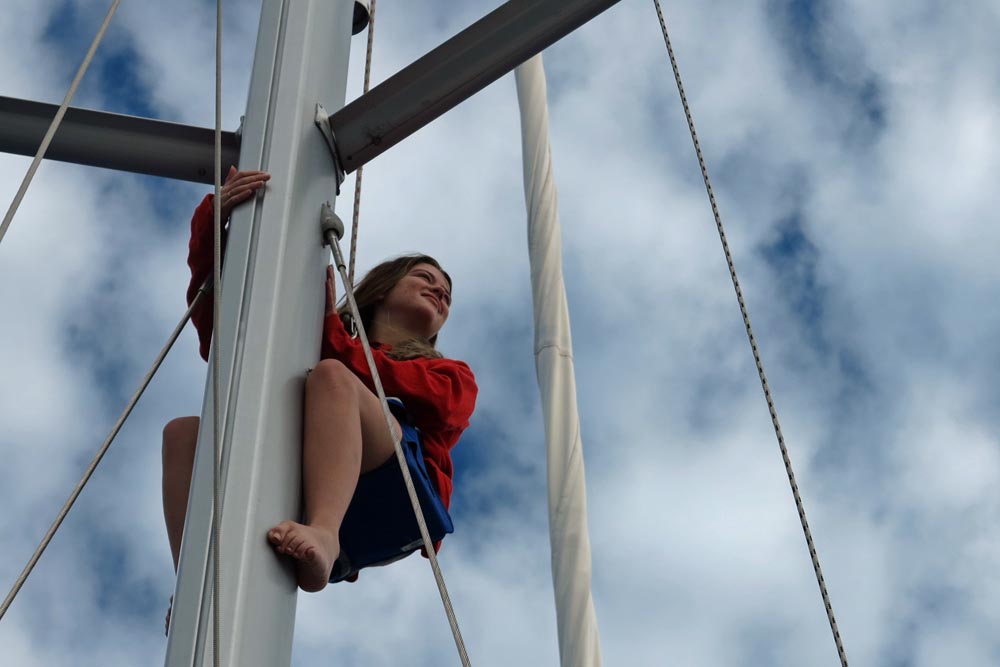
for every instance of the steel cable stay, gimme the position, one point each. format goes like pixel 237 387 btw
pixel 333 230
pixel 88 473
pixel 56 121
pixel 799 506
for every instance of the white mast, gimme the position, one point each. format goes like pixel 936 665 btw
pixel 276 247
pixel 579 643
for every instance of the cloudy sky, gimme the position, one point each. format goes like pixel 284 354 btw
pixel 853 152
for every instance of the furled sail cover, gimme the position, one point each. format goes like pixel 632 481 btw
pixel 579 644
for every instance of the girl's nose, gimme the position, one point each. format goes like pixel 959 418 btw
pixel 441 294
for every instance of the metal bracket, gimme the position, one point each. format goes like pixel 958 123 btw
pixel 323 123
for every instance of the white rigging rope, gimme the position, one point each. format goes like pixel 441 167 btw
pixel 579 641
pixel 799 506
pixel 333 228
pixel 56 121
pixel 100 454
pixel 216 540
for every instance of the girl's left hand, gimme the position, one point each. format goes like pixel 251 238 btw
pixel 239 187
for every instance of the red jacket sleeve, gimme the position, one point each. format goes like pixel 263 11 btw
pixel 440 393
pixel 200 260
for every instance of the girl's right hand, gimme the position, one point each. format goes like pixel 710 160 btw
pixel 239 187
pixel 331 291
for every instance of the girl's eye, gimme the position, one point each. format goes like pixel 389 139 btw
pixel 427 277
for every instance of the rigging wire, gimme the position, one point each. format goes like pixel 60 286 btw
pixel 799 506
pixel 361 169
pixel 100 453
pixel 56 121
pixel 347 278
pixel 332 228
pixel 216 365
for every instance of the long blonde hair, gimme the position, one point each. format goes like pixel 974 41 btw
pixel 370 291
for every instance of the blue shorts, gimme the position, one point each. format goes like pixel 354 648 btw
pixel 380 526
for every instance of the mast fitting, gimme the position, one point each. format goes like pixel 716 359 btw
pixel 330 222
pixel 323 123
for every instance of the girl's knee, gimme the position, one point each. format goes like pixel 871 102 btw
pixel 330 374
pixel 180 437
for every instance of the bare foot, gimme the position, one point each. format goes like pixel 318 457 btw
pixel 314 549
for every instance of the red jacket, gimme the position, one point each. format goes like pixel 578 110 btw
pixel 440 394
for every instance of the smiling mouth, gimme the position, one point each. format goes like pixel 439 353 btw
pixel 437 301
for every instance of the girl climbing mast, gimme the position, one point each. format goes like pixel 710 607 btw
pixel 356 508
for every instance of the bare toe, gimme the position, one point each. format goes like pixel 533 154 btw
pixel 314 550
pixel 294 543
pixel 278 533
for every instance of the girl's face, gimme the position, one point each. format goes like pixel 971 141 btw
pixel 420 301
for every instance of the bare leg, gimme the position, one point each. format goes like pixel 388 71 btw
pixel 345 436
pixel 180 437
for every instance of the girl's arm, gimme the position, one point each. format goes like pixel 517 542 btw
pixel 200 260
pixel 441 393
pixel 238 188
